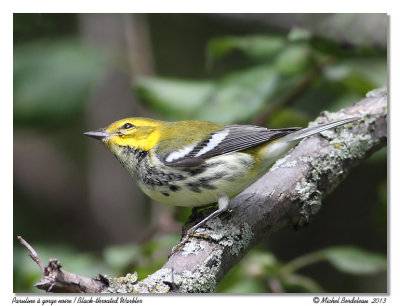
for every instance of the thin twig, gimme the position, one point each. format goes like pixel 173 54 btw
pixel 34 255
pixel 56 280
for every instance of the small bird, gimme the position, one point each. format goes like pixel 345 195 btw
pixel 197 163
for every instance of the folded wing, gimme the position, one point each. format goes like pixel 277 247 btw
pixel 231 138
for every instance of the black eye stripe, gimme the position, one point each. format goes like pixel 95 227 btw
pixel 127 126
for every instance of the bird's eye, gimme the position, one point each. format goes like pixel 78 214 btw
pixel 127 126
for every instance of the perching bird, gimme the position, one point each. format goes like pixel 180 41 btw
pixel 196 163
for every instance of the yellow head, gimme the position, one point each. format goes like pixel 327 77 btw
pixel 138 133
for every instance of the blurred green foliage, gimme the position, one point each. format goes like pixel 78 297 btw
pixel 257 75
pixel 237 97
pixel 280 68
pixel 256 47
pixel 52 80
pixel 261 271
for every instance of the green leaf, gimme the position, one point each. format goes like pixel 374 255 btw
pixel 247 285
pixel 299 34
pixel 358 75
pixel 373 69
pixel 258 264
pixel 296 282
pixel 257 46
pixel 119 257
pixel 239 96
pixel 177 99
pixel 294 59
pixel 355 261
pixel 52 79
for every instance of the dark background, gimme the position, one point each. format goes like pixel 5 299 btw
pixel 79 72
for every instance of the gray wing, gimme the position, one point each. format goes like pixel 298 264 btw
pixel 231 138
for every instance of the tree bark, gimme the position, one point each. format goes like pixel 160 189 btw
pixel 288 196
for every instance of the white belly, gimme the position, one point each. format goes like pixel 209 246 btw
pixel 229 174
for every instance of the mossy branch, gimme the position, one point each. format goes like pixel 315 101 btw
pixel 288 196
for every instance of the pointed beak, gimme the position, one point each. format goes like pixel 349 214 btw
pixel 99 134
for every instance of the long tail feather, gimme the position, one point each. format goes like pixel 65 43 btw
pixel 316 129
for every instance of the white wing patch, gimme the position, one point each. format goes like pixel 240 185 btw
pixel 214 141
pixel 179 154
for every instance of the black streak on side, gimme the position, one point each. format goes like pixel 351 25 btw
pixel 174 188
pixel 150 176
pixel 193 187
